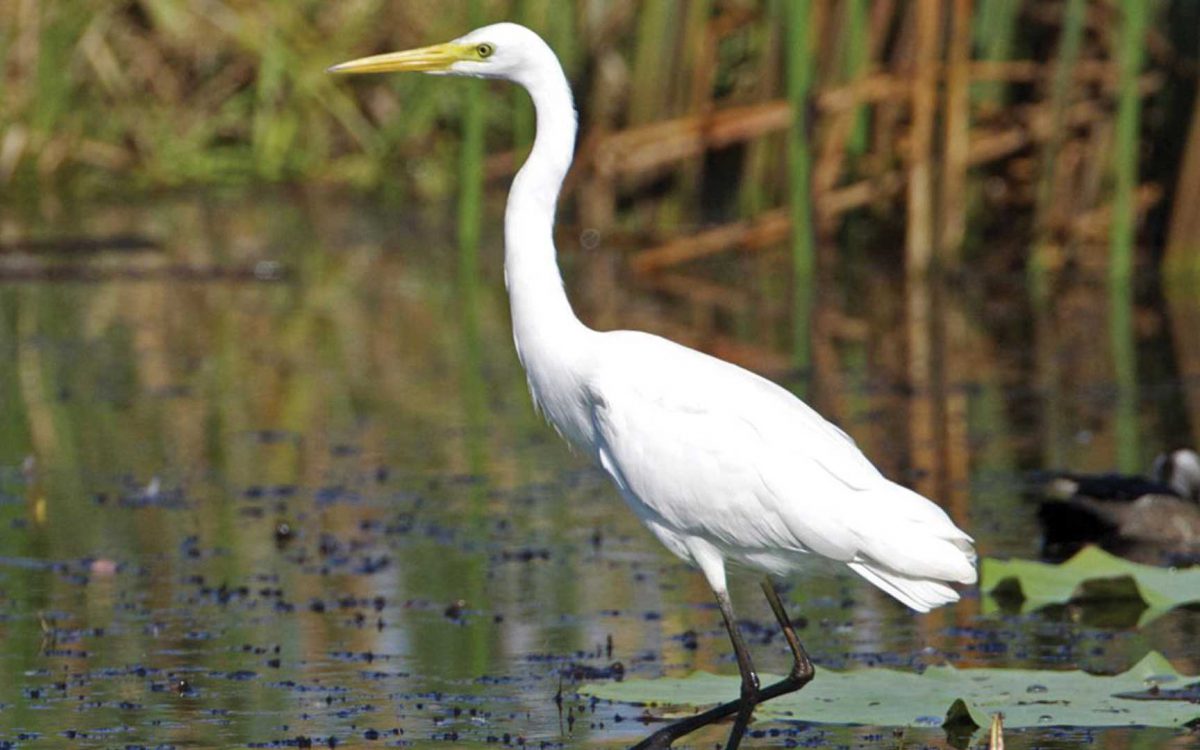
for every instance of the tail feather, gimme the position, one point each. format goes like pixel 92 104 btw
pixel 921 594
pixel 908 536
pixel 913 551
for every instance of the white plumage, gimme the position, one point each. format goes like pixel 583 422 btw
pixel 720 464
pixel 724 465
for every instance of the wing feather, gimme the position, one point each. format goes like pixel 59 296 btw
pixel 724 454
pixel 703 449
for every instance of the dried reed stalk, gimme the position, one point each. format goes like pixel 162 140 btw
pixel 957 134
pixel 768 228
pixel 918 242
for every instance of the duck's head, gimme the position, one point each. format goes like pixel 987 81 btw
pixel 1180 470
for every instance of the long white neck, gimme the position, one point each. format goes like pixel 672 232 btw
pixel 541 315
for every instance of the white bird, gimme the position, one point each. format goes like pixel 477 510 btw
pixel 720 464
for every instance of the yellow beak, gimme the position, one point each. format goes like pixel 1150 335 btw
pixel 439 57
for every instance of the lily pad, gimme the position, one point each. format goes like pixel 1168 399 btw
pixel 944 694
pixel 1092 574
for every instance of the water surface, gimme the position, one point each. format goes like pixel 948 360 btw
pixel 278 480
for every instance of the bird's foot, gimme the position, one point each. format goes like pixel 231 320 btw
pixel 663 738
pixel 801 674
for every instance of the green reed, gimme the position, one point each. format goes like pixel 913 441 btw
pixel 1130 46
pixel 995 30
pixel 650 94
pixel 470 172
pixel 798 59
pixel 855 58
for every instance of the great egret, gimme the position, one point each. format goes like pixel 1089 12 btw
pixel 720 464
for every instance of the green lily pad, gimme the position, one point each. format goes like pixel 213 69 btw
pixel 886 697
pixel 1092 574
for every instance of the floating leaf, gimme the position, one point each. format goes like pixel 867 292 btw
pixel 1092 574
pixel 886 697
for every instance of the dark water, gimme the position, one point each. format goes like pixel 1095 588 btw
pixel 279 480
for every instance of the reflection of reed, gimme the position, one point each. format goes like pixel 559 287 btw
pixel 1183 244
pixel 920 323
pixel 1123 345
pixel 1184 308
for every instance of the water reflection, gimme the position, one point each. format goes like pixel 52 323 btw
pixel 157 429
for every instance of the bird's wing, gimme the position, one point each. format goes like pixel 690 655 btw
pixel 690 382
pixel 714 450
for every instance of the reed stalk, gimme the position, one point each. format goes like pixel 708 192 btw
pixel 470 173
pixel 855 60
pixel 1130 45
pixel 919 239
pixel 957 135
pixel 799 78
pixel 995 36
pixel 652 73
pixel 563 30
pixel 760 153
pixel 522 119
pixel 695 87
pixel 1070 41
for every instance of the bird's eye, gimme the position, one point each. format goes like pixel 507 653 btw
pixel 485 50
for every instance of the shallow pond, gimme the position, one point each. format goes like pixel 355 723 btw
pixel 275 480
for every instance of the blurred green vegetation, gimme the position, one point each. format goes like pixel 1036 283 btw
pixel 110 97
pixel 173 92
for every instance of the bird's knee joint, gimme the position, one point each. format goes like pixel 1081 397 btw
pixel 750 689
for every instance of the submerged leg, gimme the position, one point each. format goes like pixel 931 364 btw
pixel 800 675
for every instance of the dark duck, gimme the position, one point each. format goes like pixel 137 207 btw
pixel 1151 519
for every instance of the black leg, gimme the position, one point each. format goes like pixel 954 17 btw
pixel 801 675
pixel 744 706
pixel 802 668
pixel 746 667
pixel 739 727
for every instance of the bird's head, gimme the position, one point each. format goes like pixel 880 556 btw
pixel 1181 470
pixel 502 50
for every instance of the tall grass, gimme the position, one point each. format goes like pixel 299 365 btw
pixel 158 93
pixel 171 92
